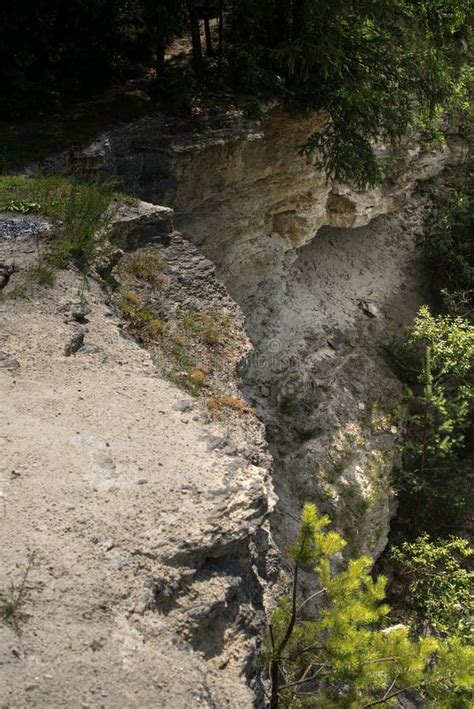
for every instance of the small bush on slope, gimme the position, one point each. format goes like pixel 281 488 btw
pixel 80 209
pixel 434 478
pixel 437 584
pixel 342 657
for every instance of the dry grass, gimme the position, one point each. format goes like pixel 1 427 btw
pixel 197 377
pixel 209 327
pixel 217 405
pixel 191 347
pixel 145 266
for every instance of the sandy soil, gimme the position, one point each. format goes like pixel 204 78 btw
pixel 112 479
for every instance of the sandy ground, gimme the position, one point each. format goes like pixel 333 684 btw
pixel 109 476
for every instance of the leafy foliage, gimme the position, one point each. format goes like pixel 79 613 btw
pixel 341 656
pixel 451 343
pixel 374 67
pixel 435 474
pixel 439 584
pixel 85 214
pixel 56 51
pixel 447 237
pixel 79 209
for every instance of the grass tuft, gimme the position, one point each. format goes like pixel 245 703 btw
pixel 44 275
pixel 216 405
pixel 145 266
pixel 12 601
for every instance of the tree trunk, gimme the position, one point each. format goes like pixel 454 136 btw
pixel 207 31
pixel 283 21
pixel 220 49
pixel 196 37
pixel 160 53
pixel 278 651
pixel 299 17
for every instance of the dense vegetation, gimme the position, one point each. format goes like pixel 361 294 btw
pixel 376 67
pixel 447 239
pixel 435 478
pixel 437 585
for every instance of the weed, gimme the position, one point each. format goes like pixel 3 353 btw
pixel 197 377
pixel 130 299
pixel 156 328
pixel 84 215
pixel 148 327
pixel 81 209
pixel 21 206
pixel 145 266
pixel 44 194
pixel 44 275
pixel 13 600
pixel 178 340
pixel 185 348
pixel 190 378
pixel 209 327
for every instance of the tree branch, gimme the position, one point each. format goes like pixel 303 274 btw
pixel 386 697
pixel 310 598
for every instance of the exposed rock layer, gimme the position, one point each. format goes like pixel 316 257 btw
pixel 241 191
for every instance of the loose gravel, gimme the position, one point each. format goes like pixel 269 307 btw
pixel 22 226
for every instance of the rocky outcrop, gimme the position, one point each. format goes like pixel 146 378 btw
pixel 241 191
pixel 325 277
pixel 319 303
pixel 319 375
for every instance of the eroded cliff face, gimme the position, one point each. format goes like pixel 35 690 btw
pixel 327 279
pixel 241 191
pixel 322 292
pixel 250 204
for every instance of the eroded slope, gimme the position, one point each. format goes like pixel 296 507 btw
pixel 143 520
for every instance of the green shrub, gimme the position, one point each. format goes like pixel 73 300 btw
pixel 80 211
pixel 85 214
pixel 447 238
pixel 437 585
pixel 340 655
pixel 434 479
